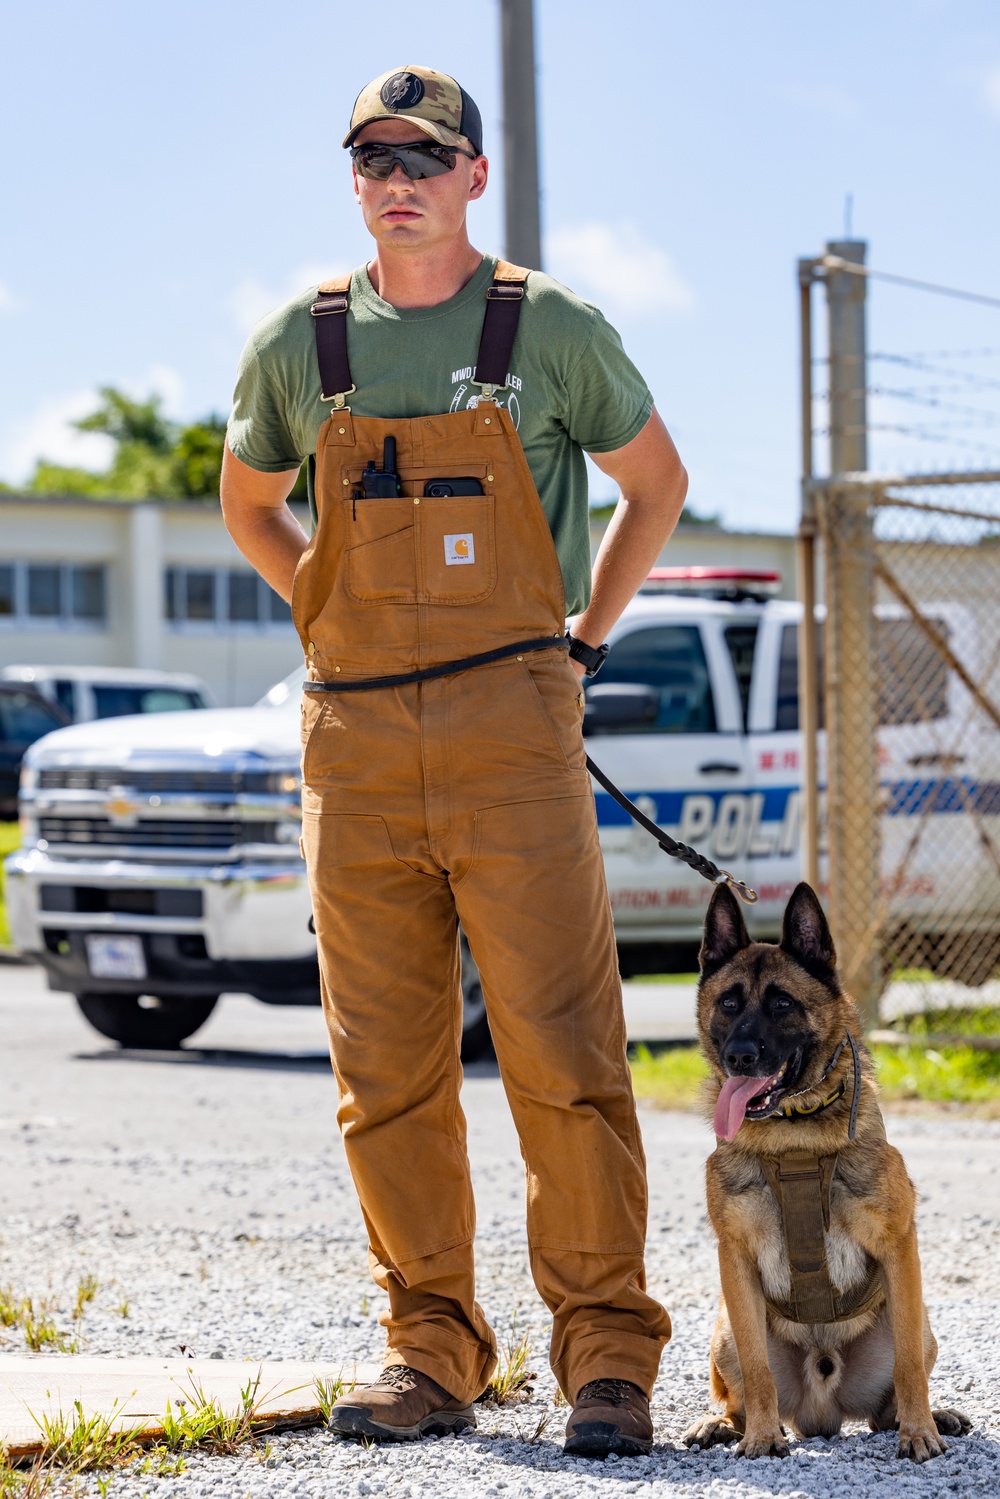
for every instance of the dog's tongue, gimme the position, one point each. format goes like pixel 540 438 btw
pixel 732 1105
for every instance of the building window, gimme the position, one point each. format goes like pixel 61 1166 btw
pixel 222 598
pixel 39 595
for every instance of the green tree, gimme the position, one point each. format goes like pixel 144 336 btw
pixel 153 457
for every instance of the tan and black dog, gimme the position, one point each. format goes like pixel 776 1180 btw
pixel 822 1316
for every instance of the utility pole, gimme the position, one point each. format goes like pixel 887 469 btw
pixel 853 813
pixel 522 232
pixel 846 305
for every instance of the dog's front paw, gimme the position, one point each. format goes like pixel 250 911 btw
pixel 767 1443
pixel 710 1431
pixel 920 1441
pixel 951 1423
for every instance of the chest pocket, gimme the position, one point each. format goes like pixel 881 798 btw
pixel 421 549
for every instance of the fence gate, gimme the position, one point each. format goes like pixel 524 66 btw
pixel 910 667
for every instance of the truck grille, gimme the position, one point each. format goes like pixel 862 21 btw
pixel 156 832
pixel 182 782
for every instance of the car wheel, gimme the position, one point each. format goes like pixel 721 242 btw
pixel 145 1022
pixel 476 1039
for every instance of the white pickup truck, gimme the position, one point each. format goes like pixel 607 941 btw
pixel 160 863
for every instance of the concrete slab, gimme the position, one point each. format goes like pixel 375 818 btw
pixel 660 1012
pixel 135 1392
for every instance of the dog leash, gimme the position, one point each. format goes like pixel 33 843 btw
pixel 700 863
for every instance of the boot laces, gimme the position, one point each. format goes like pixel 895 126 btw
pixel 610 1391
pixel 396 1377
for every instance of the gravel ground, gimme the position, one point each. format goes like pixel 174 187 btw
pixel 208 1195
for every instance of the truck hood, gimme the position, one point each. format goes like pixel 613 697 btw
pixel 153 738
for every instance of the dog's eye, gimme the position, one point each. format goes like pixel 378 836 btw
pixel 782 1002
pixel 729 1003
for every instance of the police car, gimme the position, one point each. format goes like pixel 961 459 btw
pixel 696 716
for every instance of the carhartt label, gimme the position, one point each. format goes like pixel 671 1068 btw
pixel 460 550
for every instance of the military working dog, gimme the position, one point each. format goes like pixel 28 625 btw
pixel 822 1316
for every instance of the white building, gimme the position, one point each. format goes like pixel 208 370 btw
pixel 159 583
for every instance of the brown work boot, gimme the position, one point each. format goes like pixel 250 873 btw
pixel 610 1415
pixel 402 1405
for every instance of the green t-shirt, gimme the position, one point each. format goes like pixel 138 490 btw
pixel 571 387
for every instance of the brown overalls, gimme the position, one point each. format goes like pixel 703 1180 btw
pixel 464 797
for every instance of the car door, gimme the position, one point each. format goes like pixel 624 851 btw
pixel 774 847
pixel 685 765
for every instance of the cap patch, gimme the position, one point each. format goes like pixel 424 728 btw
pixel 402 91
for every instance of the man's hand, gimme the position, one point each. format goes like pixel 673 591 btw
pixel 653 485
pixel 260 522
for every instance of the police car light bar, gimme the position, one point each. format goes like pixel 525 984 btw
pixel 713 582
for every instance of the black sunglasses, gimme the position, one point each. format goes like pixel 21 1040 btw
pixel 379 161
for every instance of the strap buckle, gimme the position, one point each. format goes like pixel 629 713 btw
pixel 505 291
pixel 335 302
pixel 338 399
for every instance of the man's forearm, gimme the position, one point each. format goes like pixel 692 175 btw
pixel 634 539
pixel 653 488
pixel 259 521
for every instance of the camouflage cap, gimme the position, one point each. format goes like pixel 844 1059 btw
pixel 432 102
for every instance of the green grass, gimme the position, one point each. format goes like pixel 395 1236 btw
pixel 664 978
pixel 10 838
pixel 671 1079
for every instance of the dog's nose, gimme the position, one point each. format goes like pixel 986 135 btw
pixel 742 1055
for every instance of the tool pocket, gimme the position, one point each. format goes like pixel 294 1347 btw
pixel 381 564
pixel 557 692
pixel 456 548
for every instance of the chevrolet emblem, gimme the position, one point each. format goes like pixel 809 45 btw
pixel 121 812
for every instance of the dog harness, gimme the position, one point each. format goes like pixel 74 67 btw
pixel 801 1182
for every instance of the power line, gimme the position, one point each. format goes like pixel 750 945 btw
pixel 835 263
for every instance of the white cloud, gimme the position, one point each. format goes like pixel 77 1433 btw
pixel 252 299
pixel 619 267
pixel 8 302
pixel 991 90
pixel 47 433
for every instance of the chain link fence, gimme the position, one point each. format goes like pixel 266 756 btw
pixel 910 667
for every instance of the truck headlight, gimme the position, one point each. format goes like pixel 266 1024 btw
pixel 29 779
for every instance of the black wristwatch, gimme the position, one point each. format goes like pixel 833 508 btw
pixel 591 657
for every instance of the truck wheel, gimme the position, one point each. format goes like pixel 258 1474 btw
pixel 476 1039
pixel 147 1023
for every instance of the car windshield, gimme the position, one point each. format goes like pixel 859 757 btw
pixel 25 717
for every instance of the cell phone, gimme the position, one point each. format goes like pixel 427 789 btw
pixel 438 488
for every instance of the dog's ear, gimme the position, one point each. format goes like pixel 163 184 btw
pixel 725 931
pixel 805 935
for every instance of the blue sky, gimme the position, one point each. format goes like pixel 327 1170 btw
pixel 170 172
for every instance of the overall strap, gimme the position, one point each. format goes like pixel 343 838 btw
pixel 330 321
pixel 801 1183
pixel 503 309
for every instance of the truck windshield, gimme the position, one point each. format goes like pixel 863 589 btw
pixel 117 701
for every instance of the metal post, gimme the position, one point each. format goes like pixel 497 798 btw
pixel 845 293
pixel 522 232
pixel 806 558
pixel 853 813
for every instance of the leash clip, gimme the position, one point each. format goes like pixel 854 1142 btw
pixel 747 895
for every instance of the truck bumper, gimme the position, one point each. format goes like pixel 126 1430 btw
pixel 244 927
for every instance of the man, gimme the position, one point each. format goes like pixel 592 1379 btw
pixel 443 762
